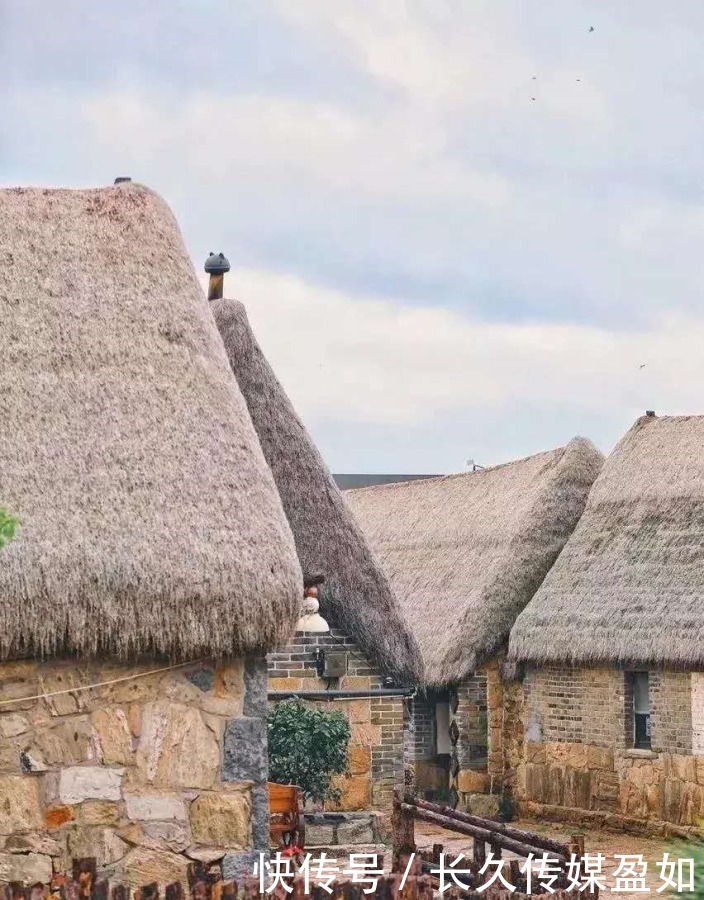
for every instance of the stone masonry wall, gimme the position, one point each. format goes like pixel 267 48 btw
pixel 472 721
pixel 419 735
pixel 578 756
pixel 466 771
pixel 425 772
pixel 376 743
pixel 145 774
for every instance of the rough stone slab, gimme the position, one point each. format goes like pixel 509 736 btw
pixel 114 736
pixel 99 812
pixel 204 679
pixel 260 816
pixel 174 835
pixel 235 865
pixel 317 835
pixel 359 832
pixel 245 750
pixel 20 809
pixel 13 724
pixel 66 744
pixel 176 747
pixel 222 819
pixel 356 791
pixel 34 842
pixel 135 835
pixel 32 868
pixel 142 866
pixel 101 843
pixel 78 783
pixel 483 805
pixel 205 854
pixel 155 808
pixel 255 687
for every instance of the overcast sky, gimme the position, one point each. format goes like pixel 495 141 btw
pixel 461 229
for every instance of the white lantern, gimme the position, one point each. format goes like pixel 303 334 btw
pixel 310 619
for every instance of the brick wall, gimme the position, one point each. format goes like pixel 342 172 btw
pixel 697 712
pixel 419 735
pixel 387 713
pixel 578 753
pixel 471 718
pixel 671 712
pixel 577 705
pixel 377 723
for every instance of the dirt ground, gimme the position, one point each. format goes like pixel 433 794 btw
pixel 595 841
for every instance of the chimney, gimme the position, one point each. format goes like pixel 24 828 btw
pixel 216 265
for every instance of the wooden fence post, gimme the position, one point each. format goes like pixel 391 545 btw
pixel 403 833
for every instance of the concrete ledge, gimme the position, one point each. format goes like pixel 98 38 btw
pixel 635 753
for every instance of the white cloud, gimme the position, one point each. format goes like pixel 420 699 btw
pixel 374 360
pixel 288 141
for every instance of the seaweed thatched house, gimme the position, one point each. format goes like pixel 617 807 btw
pixel 464 554
pixel 153 567
pixel 379 653
pixel 614 690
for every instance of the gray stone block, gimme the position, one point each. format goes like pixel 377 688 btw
pixel 236 865
pixel 486 805
pixel 355 832
pixel 320 835
pixel 255 687
pixel 245 750
pixel 260 817
pixel 202 678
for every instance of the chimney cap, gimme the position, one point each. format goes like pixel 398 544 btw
pixel 121 179
pixel 217 264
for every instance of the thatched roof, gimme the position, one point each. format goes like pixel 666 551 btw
pixel 150 522
pixel 356 595
pixel 465 553
pixel 629 586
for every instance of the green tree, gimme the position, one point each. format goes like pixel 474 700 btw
pixel 307 746
pixel 8 527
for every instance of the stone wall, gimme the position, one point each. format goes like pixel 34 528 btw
pixel 145 774
pixel 376 743
pixel 425 771
pixel 578 760
pixel 463 771
pixel 472 722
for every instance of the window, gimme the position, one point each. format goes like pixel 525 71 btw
pixel 641 710
pixel 443 744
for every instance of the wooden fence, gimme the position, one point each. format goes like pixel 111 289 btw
pixel 498 837
pixel 204 885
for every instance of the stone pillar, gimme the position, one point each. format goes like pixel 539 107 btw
pixel 245 758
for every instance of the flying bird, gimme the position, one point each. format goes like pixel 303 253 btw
pixel 591 28
pixel 643 365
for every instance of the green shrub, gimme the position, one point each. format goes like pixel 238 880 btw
pixel 685 850
pixel 307 746
pixel 8 527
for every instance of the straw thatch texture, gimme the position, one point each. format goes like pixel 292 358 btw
pixel 465 553
pixel 356 596
pixel 629 586
pixel 150 522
